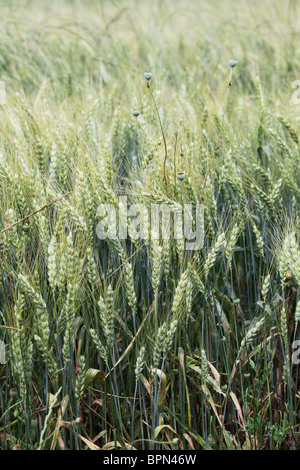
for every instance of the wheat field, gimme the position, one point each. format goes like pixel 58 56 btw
pixel 139 343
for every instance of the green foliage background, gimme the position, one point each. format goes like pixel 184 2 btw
pixel 141 344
